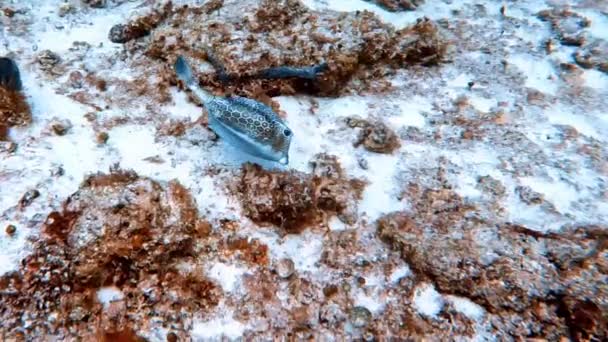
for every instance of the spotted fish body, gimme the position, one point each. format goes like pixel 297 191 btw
pixel 249 125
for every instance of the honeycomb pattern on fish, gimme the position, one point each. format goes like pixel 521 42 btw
pixel 246 116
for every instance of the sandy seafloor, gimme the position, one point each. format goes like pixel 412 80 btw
pixel 505 57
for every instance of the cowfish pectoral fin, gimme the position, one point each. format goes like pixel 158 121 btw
pixel 284 160
pixel 10 78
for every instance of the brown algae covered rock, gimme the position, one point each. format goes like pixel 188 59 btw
pixel 513 272
pixel 567 24
pixel 399 5
pixel 294 201
pixel 284 33
pixel 141 26
pixel 119 232
pixel 593 55
pixel 14 109
pixel 375 136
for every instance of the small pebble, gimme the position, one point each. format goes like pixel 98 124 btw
pixel 171 337
pixel 363 163
pixel 61 127
pixel 57 171
pixel 360 317
pixel 96 3
pixel 11 229
pixel 102 138
pixel 76 79
pixel 64 9
pixel 28 198
pixel 8 146
pixel 9 12
pixel 48 59
pixel 285 268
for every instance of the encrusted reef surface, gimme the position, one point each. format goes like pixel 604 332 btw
pixel 448 175
pixel 126 235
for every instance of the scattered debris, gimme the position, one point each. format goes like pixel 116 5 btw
pixel 28 198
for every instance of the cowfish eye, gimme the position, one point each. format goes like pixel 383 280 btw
pixel 287 132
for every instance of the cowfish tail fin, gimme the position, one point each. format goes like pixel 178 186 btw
pixel 10 78
pixel 184 73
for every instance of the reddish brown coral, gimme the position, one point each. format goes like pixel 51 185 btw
pixel 378 137
pixel 294 201
pixel 14 110
pixel 117 230
pixel 504 268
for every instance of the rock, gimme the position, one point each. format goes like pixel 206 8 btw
pixel 75 79
pixel 285 268
pixel 117 229
pixel 294 200
pixel 7 147
pixel 172 337
pixel 57 171
pixel 593 55
pixel 10 229
pixel 47 60
pixel 363 163
pixel 332 314
pixel 490 185
pixel 60 127
pixel 360 317
pixel 529 196
pixel 376 136
pixel 28 198
pixel 399 5
pixel 65 9
pixel 567 24
pixel 96 3
pixel 102 138
pixel 14 110
pixel 325 165
pixel 140 27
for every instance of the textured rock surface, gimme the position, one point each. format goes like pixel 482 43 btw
pixel 118 231
pixel 447 178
